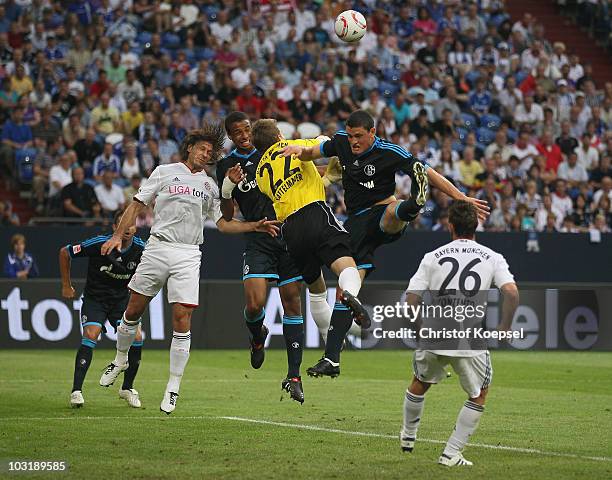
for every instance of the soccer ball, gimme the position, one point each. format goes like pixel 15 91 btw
pixel 350 26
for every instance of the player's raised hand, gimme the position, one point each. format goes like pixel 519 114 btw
pixel 113 243
pixel 482 208
pixel 235 174
pixel 68 291
pixel 271 227
pixel 291 150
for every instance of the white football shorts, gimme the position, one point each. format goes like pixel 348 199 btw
pixel 174 264
pixel 475 373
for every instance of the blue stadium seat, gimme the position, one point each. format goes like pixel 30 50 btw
pixel 391 75
pixel 463 133
pixel 24 164
pixel 485 136
pixel 512 135
pixel 144 37
pixel 388 89
pixel 458 147
pixel 469 121
pixel 490 121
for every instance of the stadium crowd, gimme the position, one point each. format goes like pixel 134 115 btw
pixel 96 93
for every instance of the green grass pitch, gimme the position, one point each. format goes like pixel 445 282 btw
pixel 557 406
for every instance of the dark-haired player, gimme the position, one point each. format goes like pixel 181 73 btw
pixel 444 272
pixel 313 235
pixel 185 196
pixel 369 165
pixel 265 258
pixel 104 298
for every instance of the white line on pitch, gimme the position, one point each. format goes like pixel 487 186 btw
pixel 532 451
pixel 426 440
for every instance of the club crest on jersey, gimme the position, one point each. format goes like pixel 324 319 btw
pixel 131 265
pixel 369 170
pixel 207 186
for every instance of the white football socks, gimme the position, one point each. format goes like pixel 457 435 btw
pixel 350 280
pixel 467 422
pixel 126 333
pixel 413 409
pixel 179 355
pixel 321 312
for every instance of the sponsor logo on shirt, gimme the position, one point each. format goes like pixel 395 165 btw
pixel 76 249
pixel 186 190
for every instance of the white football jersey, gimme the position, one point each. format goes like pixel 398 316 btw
pixel 183 202
pixel 457 267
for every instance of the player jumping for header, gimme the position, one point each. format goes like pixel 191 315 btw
pixel 313 235
pixel 265 258
pixel 369 165
pixel 185 196
pixel 456 272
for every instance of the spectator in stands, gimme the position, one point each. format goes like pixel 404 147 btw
pixel 499 145
pixel 107 161
pixel 561 201
pixel 604 191
pixel 60 175
pixel 48 128
pixel 8 218
pixel 131 163
pixel 567 143
pixel 78 198
pixel 550 151
pixel 603 170
pixel 481 99
pixel 109 195
pixel 47 156
pixel 19 263
pixel 572 172
pixel 543 214
pixel 16 135
pixel 588 157
pixel 528 113
pixel 468 167
pixel 132 188
pixel 501 217
pixel 104 118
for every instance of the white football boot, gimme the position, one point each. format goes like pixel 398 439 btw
pixel 131 397
pixel 76 399
pixel 110 374
pixel 456 461
pixel 168 404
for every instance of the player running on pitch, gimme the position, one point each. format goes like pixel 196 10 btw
pixel 369 165
pixel 462 265
pixel 105 297
pixel 265 258
pixel 185 196
pixel 313 235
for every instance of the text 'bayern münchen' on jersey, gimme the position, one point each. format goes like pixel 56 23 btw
pixel 183 202
pixel 253 204
pixel 107 280
pixel 290 183
pixel 369 177
pixel 458 273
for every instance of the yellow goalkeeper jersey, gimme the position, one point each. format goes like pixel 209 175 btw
pixel 290 183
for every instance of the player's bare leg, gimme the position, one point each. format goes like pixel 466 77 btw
pixel 346 308
pixel 413 410
pixel 467 422
pixel 82 362
pixel 293 331
pixel 179 353
pixel 255 293
pixel 126 333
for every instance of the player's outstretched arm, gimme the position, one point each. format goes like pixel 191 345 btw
pixel 127 220
pixel 305 154
pixel 440 182
pixel 263 226
pixel 233 177
pixel 64 263
pixel 510 295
